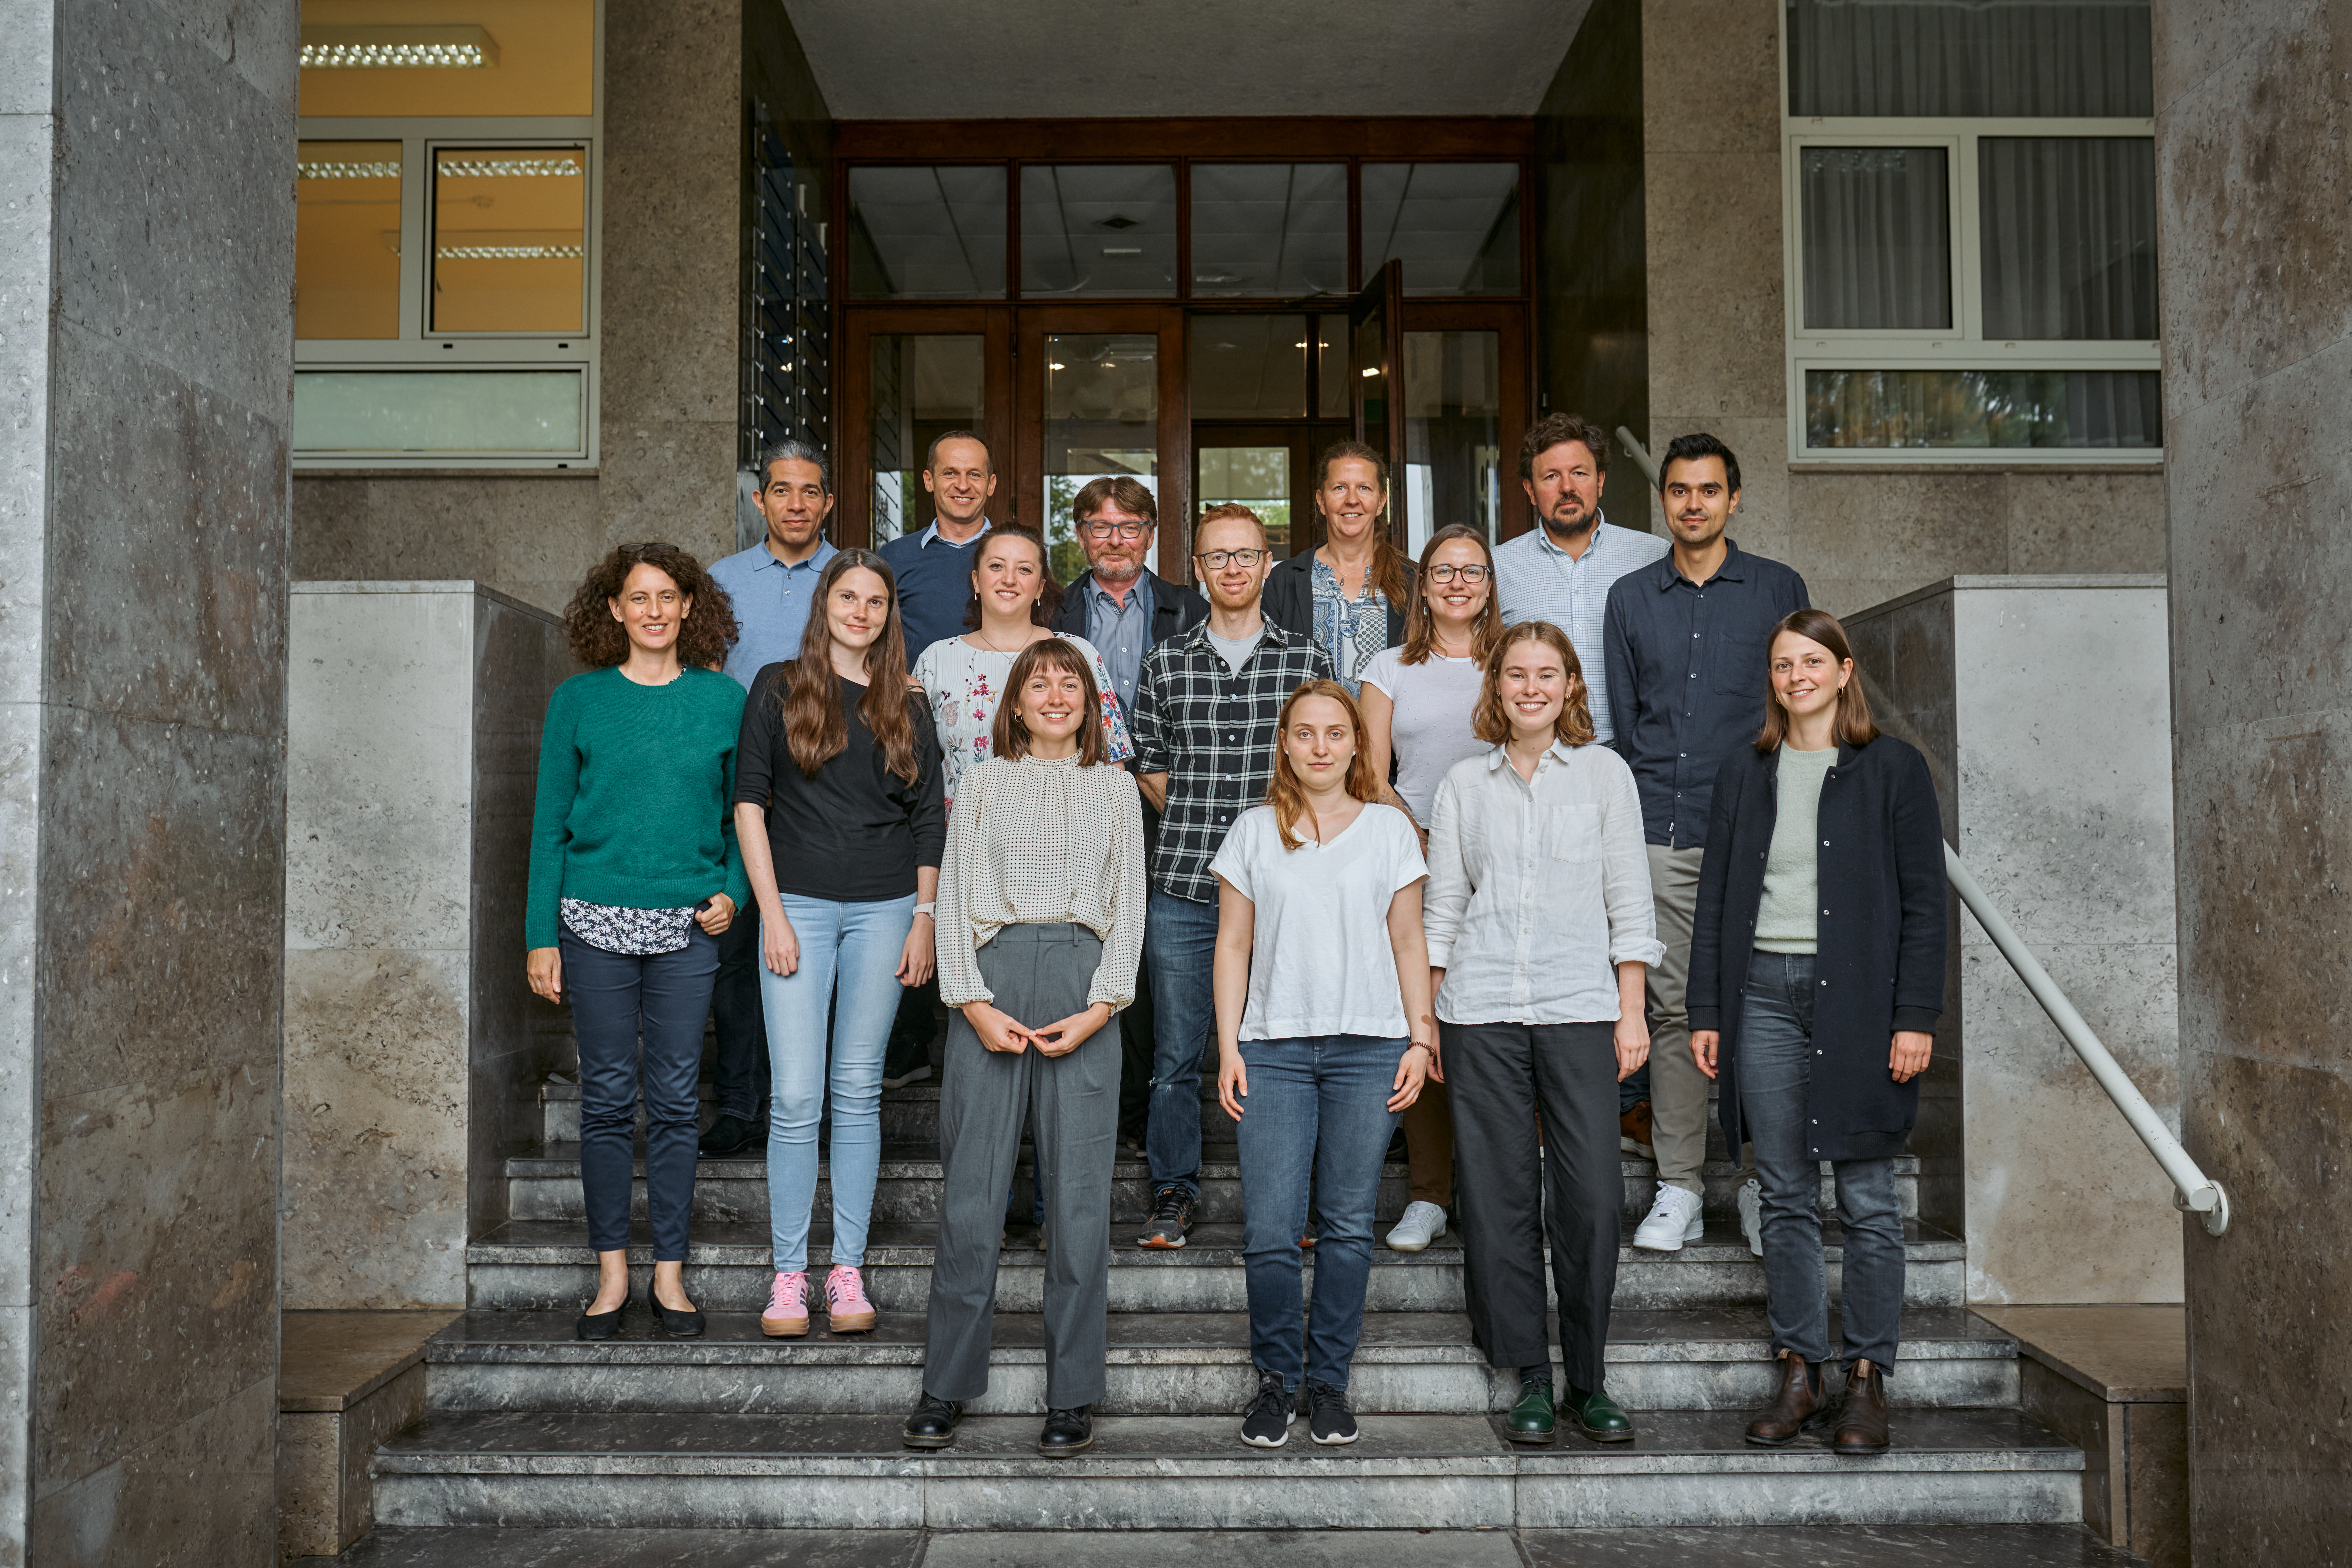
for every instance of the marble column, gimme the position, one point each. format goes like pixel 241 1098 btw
pixel 2253 99
pixel 146 260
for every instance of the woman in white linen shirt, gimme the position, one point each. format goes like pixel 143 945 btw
pixel 1041 925
pixel 1540 932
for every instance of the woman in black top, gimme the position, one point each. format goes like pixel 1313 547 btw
pixel 840 804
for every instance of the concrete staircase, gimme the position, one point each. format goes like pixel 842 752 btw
pixel 528 1427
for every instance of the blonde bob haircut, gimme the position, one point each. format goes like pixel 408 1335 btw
pixel 1009 738
pixel 1492 725
pixel 1286 794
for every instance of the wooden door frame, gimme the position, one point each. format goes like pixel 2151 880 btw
pixel 1027 391
pixel 853 421
pixel 1510 322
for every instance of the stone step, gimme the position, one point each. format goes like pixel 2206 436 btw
pixel 545 1265
pixel 1159 1364
pixel 666 1471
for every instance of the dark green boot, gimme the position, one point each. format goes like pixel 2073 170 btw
pixel 1531 1417
pixel 1598 1417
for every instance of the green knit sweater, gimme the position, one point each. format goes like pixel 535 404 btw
pixel 635 784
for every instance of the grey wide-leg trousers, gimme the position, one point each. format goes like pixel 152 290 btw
pixel 1040 974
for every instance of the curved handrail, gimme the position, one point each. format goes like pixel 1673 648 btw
pixel 2194 1190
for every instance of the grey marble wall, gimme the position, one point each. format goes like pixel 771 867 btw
pixel 2252 103
pixel 146 260
pixel 412 744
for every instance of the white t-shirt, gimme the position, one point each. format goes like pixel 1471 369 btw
pixel 1429 731
pixel 1319 957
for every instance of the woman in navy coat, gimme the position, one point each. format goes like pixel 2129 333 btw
pixel 1816 979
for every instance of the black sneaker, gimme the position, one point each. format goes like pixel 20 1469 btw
pixel 1267 1425
pixel 1171 1216
pixel 1329 1419
pixel 728 1136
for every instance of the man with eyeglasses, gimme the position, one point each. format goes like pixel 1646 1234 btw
pixel 1208 708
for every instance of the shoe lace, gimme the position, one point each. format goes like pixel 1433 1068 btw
pixel 1170 1205
pixel 843 1285
pixel 1269 1388
pixel 1322 1399
pixel 789 1291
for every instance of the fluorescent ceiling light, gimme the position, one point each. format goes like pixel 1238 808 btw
pixel 375 48
pixel 308 169
pixel 509 253
pixel 507 168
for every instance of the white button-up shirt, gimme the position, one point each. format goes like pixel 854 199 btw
pixel 1537 888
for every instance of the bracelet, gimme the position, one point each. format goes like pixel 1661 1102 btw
pixel 931 909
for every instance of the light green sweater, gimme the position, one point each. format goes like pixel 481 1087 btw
pixel 1788 920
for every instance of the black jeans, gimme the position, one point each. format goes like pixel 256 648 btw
pixel 613 996
pixel 740 1072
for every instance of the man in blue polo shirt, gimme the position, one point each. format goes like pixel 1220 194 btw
pixel 771 586
pixel 934 568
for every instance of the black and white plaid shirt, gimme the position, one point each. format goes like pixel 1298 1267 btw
pixel 1212 732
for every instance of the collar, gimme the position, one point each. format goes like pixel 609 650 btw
pixel 1271 634
pixel 1559 750
pixel 815 562
pixel 1137 590
pixel 1733 568
pixel 924 539
pixel 1544 543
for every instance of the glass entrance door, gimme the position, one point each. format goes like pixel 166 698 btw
pixel 1096 398
pixel 909 376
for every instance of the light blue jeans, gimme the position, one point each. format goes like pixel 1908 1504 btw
pixel 849 964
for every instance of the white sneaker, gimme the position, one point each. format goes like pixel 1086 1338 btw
pixel 1672 1220
pixel 1422 1223
pixel 1751 1215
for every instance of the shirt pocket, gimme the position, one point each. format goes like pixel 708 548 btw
pixel 1739 668
pixel 1573 833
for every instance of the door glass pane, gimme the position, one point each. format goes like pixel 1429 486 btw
pixel 383 57
pixel 347 239
pixel 1877 238
pixel 1967 58
pixel 456 411
pixel 1331 390
pixel 1098 228
pixel 1269 228
pixel 1102 421
pixel 1455 225
pixel 927 234
pixel 1248 367
pixel 1258 477
pixel 1371 383
pixel 1962 408
pixel 2069 236
pixel 508 226
pixel 1453 434
pixel 923 385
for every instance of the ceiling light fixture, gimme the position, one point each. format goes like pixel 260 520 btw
pixel 507 168
pixel 509 253
pixel 307 170
pixel 1122 250
pixel 1372 370
pixel 377 48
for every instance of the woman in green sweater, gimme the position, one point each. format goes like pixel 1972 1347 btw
pixel 634 874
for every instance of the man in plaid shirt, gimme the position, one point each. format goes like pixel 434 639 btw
pixel 1207 711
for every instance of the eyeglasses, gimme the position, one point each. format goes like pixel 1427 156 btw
pixel 1217 560
pixel 1449 572
pixel 1128 530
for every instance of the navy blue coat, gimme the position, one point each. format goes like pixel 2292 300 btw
pixel 1880 965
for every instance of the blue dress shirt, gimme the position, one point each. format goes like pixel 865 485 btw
pixel 771 604
pixel 1536 579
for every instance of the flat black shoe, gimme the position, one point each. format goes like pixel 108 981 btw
pixel 1067 1431
pixel 932 1424
pixel 599 1325
pixel 728 1136
pixel 678 1325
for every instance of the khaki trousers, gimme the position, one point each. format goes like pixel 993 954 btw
pixel 1679 1090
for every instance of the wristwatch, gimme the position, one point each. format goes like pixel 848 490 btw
pixel 931 909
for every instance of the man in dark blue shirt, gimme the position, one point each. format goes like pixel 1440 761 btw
pixel 1685 644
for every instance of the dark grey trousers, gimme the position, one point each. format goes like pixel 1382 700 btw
pixel 1039 973
pixel 1511 1193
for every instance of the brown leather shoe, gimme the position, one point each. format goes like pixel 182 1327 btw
pixel 1799 1406
pixel 1634 1131
pixel 1862 1424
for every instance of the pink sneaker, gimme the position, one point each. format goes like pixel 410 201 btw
pixel 847 1310
pixel 787 1314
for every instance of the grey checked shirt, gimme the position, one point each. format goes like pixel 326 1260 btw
pixel 1536 579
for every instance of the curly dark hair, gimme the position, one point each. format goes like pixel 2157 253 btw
pixel 703 636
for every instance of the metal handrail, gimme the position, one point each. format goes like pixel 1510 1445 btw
pixel 2194 1190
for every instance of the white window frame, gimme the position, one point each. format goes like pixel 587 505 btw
pixel 1962 345
pixel 416 348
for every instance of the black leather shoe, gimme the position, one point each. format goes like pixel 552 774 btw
pixel 1067 1431
pixel 728 1136
pixel 932 1425
pixel 1598 1417
pixel 1531 1419
pixel 599 1325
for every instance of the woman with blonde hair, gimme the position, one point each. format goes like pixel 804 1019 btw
pixel 1540 935
pixel 1348 593
pixel 1324 1034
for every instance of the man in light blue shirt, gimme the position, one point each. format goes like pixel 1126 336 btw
pixel 772 586
pixel 773 583
pixel 1560 572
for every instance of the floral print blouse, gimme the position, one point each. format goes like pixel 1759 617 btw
pixel 966 684
pixel 1349 630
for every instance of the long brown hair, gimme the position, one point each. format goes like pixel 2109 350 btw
pixel 1009 737
pixel 1286 793
pixel 599 641
pixel 1420 625
pixel 1049 591
pixel 815 729
pixel 1389 565
pixel 1854 722
pixel 1492 725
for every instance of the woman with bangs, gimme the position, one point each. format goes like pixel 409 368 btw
pixel 1324 1035
pixel 841 810
pixel 1042 901
pixel 1541 932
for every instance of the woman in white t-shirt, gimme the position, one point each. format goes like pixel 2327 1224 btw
pixel 1417 700
pixel 1325 1032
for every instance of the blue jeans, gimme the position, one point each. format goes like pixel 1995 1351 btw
pixel 1179 948
pixel 856 948
pixel 1320 1107
pixel 1776 1054
pixel 614 997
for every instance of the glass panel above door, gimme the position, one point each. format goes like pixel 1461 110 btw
pixel 1249 367
pixel 1091 230
pixel 1277 230
pixel 1454 225
pixel 926 233
pixel 1102 421
pixel 1453 434
pixel 923 386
